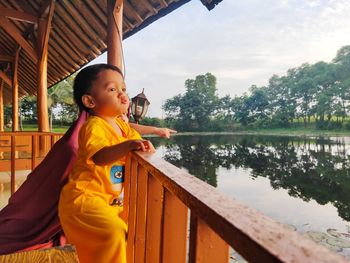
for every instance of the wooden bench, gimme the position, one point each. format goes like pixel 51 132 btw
pixel 65 253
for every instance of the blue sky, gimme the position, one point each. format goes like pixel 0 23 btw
pixel 241 42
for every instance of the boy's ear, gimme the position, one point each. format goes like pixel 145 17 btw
pixel 88 101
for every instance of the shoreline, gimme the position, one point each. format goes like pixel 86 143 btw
pixel 270 132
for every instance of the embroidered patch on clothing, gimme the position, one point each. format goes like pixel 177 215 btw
pixel 117 174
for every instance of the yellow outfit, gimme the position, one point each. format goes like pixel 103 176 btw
pixel 87 217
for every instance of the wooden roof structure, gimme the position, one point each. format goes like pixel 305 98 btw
pixel 78 35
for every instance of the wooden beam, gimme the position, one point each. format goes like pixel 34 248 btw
pixel 115 32
pixel 44 28
pixel 18 15
pixel 163 3
pixel 15 92
pixel 148 6
pixel 2 127
pixel 6 58
pixel 5 78
pixel 131 10
pixel 44 10
pixel 17 35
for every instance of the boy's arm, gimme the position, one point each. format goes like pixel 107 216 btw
pixel 143 129
pixel 110 154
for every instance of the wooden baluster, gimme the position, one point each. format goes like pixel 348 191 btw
pixel 34 142
pixel 132 212
pixel 47 144
pixel 174 229
pixel 13 165
pixel 52 137
pixel 205 245
pixel 193 237
pixel 140 236
pixel 127 180
pixel 154 219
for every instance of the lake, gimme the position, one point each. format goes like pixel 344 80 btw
pixel 301 182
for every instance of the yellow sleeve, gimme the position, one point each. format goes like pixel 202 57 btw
pixel 130 133
pixel 133 134
pixel 92 139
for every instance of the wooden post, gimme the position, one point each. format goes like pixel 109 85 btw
pixel 44 28
pixel 1 105
pixel 43 114
pixel 15 91
pixel 114 33
pixel 13 165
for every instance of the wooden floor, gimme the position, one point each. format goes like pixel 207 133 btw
pixel 58 254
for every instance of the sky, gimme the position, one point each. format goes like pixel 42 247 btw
pixel 243 43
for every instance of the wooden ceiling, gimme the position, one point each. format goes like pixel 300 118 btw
pixel 78 35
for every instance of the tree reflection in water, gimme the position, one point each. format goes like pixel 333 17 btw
pixel 309 168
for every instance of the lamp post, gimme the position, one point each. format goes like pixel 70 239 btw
pixel 139 106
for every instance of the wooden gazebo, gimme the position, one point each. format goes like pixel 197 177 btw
pixel 44 41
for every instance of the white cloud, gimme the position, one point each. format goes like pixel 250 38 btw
pixel 241 42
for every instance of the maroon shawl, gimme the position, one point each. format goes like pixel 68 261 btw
pixel 30 220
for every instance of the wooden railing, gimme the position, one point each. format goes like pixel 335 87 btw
pixel 24 151
pixel 158 199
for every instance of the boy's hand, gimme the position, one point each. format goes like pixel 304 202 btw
pixel 164 132
pixel 142 145
pixel 149 146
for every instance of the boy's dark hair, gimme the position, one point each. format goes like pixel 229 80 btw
pixel 84 79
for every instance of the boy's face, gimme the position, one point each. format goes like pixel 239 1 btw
pixel 108 95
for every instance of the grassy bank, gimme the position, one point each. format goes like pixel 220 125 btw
pixel 295 131
pixel 34 127
pixel 299 132
pixel 279 131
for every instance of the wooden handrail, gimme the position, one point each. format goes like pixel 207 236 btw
pixel 28 133
pixel 157 198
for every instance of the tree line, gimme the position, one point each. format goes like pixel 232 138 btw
pixel 313 95
pixel 317 94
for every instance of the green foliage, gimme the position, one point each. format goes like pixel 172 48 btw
pixel 318 93
pixel 7 115
pixel 153 122
pixel 62 108
pixel 28 108
pixel 195 109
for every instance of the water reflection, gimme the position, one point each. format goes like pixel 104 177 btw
pixel 311 170
pixel 317 169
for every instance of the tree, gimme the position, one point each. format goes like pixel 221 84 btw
pixel 241 110
pixel 194 109
pixel 28 108
pixel 60 98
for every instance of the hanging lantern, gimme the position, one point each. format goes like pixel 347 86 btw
pixel 139 106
